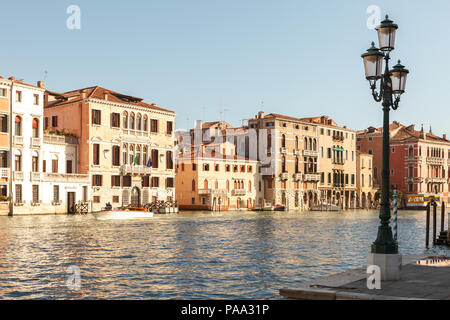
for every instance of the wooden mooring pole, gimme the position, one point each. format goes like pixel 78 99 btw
pixel 434 221
pixel 427 228
pixel 442 215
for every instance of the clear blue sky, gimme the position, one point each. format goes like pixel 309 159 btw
pixel 302 58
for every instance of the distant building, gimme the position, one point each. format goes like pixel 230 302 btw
pixel 365 194
pixel 126 145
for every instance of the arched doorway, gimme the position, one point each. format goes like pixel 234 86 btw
pixel 135 197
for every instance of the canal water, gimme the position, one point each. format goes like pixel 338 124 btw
pixel 201 255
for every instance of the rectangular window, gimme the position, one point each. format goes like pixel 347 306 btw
pixel 97 180
pixel 115 181
pixel 155 158
pixel 18 193
pixel 329 153
pixel 55 166
pixel 169 160
pixel 69 168
pixel 116 156
pixel 54 121
pixel 4 123
pixel 126 181
pixel 96 160
pixel 55 193
pixel 96 117
pixel 154 125
pixel 96 199
pixel 155 182
pixel 36 99
pixel 3 93
pixel 353 179
pixel 4 159
pixel 194 166
pixel 169 127
pixel 35 193
pixel 45 123
pixel 35 164
pixel 115 120
pixel 18 96
pixel 169 183
pixel 192 200
pixel 146 181
pixel 115 199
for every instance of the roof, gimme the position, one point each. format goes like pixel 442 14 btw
pixel 409 132
pixel 100 93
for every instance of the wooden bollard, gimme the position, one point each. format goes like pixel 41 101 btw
pixel 434 222
pixel 442 216
pixel 427 228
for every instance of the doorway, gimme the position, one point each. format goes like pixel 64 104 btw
pixel 71 202
pixel 135 197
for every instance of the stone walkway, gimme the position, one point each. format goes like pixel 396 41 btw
pixel 417 282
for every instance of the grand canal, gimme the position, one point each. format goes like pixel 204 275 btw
pixel 233 255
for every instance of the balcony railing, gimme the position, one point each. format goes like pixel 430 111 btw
pixel 66 177
pixel 18 141
pixel 238 192
pixel 297 152
pixel 310 153
pixel 283 150
pixel 35 142
pixel 129 169
pixel 212 191
pixel 338 137
pixel 436 180
pixel 284 176
pixel 311 177
pixel 435 161
pixel 339 162
pixel 18 175
pixel 298 176
pixel 54 139
pixel 35 176
pixel 4 172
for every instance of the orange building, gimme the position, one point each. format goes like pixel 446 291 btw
pixel 5 112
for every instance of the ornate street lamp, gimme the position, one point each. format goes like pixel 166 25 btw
pixel 392 85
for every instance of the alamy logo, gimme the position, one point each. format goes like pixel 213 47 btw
pixel 373 277
pixel 74 281
pixel 73 22
pixel 374 19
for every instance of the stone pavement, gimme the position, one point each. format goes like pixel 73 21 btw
pixel 417 282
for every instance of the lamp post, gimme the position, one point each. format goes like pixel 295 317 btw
pixel 392 85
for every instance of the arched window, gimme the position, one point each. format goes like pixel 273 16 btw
pixel 132 123
pixel 145 124
pixel 314 147
pixel 139 122
pixel 18 126
pixel 131 154
pixel 138 155
pixel 411 152
pixel 306 144
pixel 125 120
pixel 125 153
pixel 296 143
pixel 269 142
pixel 205 184
pixel 296 165
pixel 283 141
pixel 283 164
pixel 310 144
pixel 35 128
pixel 35 162
pixel 145 158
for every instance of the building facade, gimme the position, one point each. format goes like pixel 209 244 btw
pixel 5 172
pixel 365 194
pixel 126 145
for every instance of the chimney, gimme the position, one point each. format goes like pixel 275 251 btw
pixel 422 133
pixel 260 114
pixel 106 95
pixel 324 119
pixel 198 124
pixel 45 98
pixel 11 78
pixel 40 84
pixel 431 131
pixel 444 136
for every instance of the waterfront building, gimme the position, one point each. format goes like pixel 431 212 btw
pixel 211 176
pixel 419 162
pixel 5 118
pixel 365 195
pixel 287 148
pixel 126 146
pixel 337 162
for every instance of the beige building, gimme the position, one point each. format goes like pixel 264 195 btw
pixel 287 148
pixel 126 145
pixel 365 193
pixel 337 162
pixel 212 177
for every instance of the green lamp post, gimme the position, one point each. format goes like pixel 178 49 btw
pixel 392 86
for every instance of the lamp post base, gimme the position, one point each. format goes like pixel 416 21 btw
pixel 390 265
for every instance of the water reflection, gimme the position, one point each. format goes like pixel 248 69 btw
pixel 190 255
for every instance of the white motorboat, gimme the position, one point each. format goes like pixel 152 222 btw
pixel 123 213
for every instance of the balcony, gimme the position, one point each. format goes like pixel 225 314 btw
pixel 18 141
pixel 339 162
pixel 338 137
pixel 18 175
pixel 436 180
pixel 238 192
pixel 298 176
pixel 55 139
pixel 338 185
pixel 4 172
pixel 284 176
pixel 67 178
pixel 297 152
pixel 283 150
pixel 212 191
pixel 310 153
pixel 35 142
pixel 435 161
pixel 315 177
pixel 35 176
pixel 129 169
